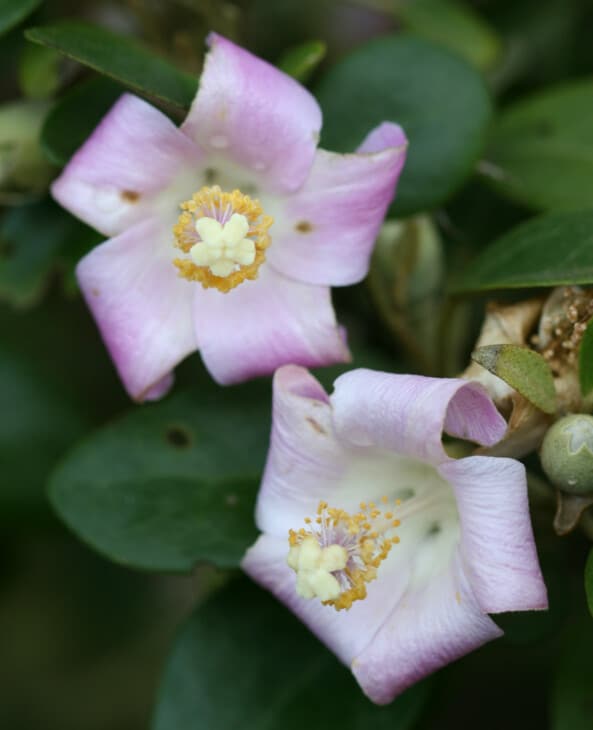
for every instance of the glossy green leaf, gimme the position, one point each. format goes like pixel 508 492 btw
pixel 32 239
pixel 301 61
pixel 586 361
pixel 74 117
pixel 523 369
pixel 171 483
pixel 243 644
pixel 454 25
pixel 439 100
pixel 589 581
pixel 545 251
pixel 571 700
pixel 13 12
pixel 541 150
pixel 120 58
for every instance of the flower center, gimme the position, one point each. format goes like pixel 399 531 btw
pixel 224 235
pixel 337 554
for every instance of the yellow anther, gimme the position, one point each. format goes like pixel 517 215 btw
pixel 218 256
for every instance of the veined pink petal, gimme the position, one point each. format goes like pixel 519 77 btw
pixel 408 413
pixel 114 179
pixel 266 323
pixel 325 233
pixel 430 627
pixel 254 115
pixel 496 535
pixel 305 461
pixel 142 307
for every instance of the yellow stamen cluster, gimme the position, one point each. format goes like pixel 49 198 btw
pixel 212 202
pixel 315 552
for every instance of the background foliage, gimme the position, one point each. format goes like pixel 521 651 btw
pixel 496 199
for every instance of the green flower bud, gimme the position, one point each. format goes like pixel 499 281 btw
pixel 567 454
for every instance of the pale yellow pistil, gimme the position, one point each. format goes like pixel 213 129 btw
pixel 337 554
pixel 225 236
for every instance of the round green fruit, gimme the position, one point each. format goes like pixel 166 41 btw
pixel 567 454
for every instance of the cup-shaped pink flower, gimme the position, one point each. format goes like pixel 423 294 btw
pixel 226 233
pixel 389 550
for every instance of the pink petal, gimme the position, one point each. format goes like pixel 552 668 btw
pixel 305 462
pixel 325 233
pixel 496 535
pixel 254 115
pixel 346 633
pixel 141 306
pixel 429 628
pixel 407 414
pixel 115 178
pixel 266 323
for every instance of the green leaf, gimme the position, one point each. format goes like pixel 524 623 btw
pixel 39 75
pixel 523 369
pixel 120 58
pixel 439 100
pixel 541 150
pixel 32 238
pixel 586 361
pixel 454 25
pixel 301 61
pixel 75 116
pixel 243 644
pixel 548 250
pixel 572 693
pixel 13 12
pixel 171 483
pixel 38 424
pixel 589 581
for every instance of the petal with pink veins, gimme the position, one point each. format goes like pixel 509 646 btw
pixel 496 533
pixel 255 116
pixel 325 233
pixel 141 306
pixel 116 177
pixel 266 323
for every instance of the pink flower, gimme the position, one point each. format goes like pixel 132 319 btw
pixel 392 552
pixel 193 261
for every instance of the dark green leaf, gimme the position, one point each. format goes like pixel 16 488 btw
pixel 120 58
pixel 455 25
pixel 572 694
pixel 74 117
pixel 586 361
pixel 39 71
pixel 545 251
pixel 301 61
pixel 523 369
pixel 439 100
pixel 38 424
pixel 541 151
pixel 12 12
pixel 171 483
pixel 32 239
pixel 589 581
pixel 244 645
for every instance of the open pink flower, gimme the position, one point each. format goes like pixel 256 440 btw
pixel 193 260
pixel 363 511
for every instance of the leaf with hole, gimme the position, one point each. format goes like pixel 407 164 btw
pixel 171 483
pixel 523 369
